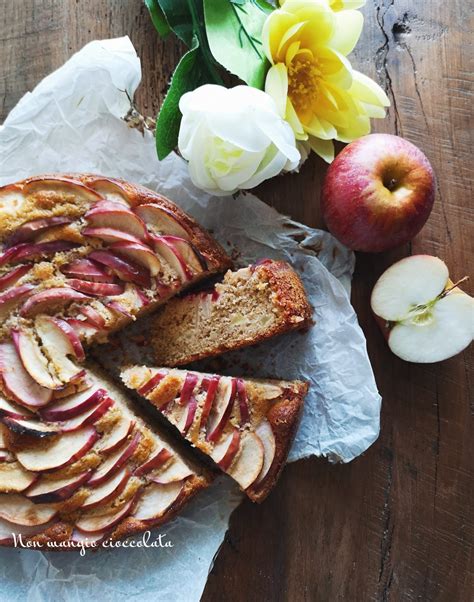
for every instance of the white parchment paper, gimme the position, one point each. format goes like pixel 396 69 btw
pixel 73 122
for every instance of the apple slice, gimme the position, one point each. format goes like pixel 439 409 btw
pixel 12 277
pixel 20 510
pixel 110 235
pixel 14 478
pixel 35 363
pixel 83 329
pixel 91 416
pixel 225 451
pixel 109 214
pixel 188 253
pixel 47 491
pixel 96 289
pixel 61 336
pixel 140 254
pixel 162 220
pixel 222 408
pixel 63 451
pixel 62 186
pixel 157 460
pixel 29 230
pixel 29 251
pixel 51 299
pixel 172 257
pixel 248 464
pixel 105 522
pixel 115 438
pixel 92 315
pixel 86 269
pixel 243 402
pixel 151 383
pixel 125 270
pixel 73 405
pixel 33 428
pixel 424 317
pixel 110 489
pixel 190 383
pixel 89 540
pixel 210 385
pixel 17 382
pixel 7 408
pixel 111 191
pixel 8 530
pixel 6 456
pixel 11 297
pixel 177 470
pixel 114 462
pixel 12 199
pixel 156 500
pixel 60 342
pixel 266 436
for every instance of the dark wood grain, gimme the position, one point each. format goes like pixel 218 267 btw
pixel 397 523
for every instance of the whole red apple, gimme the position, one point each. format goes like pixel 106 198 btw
pixel 378 193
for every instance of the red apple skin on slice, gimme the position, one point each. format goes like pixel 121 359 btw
pixel 248 464
pixel 86 269
pixel 29 230
pixel 222 411
pixel 33 359
pixel 20 510
pixel 111 191
pixel 67 333
pixel 104 522
pixel 176 470
pixel 111 441
pixel 7 408
pixel 7 530
pixel 12 297
pixel 14 478
pixel 83 329
pixel 96 289
pixel 110 235
pixel 73 405
pixel 53 297
pixel 30 251
pixel 90 417
pixel 114 462
pixel 156 499
pixel 161 220
pixel 243 402
pixel 124 269
pixel 51 492
pixel 108 214
pixel 156 461
pixel 151 383
pixel 188 253
pixel 12 277
pixel 231 446
pixel 17 382
pixel 93 316
pixel 210 385
pixel 31 428
pixel 110 489
pixel 140 254
pixel 64 450
pixel 172 257
pixel 62 185
pixel 266 436
pixel 190 382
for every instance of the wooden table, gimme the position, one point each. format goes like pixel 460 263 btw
pixel 397 523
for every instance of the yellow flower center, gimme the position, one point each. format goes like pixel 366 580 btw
pixel 303 76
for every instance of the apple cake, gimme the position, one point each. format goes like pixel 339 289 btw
pixel 245 425
pixel 250 305
pixel 85 467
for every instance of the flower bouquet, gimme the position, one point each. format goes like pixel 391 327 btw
pixel 260 87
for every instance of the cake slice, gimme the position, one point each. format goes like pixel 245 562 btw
pixel 245 425
pixel 250 305
pixel 88 468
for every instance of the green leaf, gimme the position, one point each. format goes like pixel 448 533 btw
pixel 234 34
pixel 178 15
pixel 190 73
pixel 158 18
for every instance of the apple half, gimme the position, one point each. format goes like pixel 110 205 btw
pixel 424 317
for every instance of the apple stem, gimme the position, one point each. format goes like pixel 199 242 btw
pixel 452 287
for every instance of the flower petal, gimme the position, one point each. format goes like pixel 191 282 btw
pixel 347 31
pixel 276 84
pixel 366 90
pixel 323 148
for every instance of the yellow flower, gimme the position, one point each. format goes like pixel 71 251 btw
pixel 341 4
pixel 312 81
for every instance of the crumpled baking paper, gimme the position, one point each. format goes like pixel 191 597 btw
pixel 73 122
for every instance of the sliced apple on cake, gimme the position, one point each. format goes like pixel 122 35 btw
pixel 245 425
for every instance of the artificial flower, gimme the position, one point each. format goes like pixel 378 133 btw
pixel 234 138
pixel 313 83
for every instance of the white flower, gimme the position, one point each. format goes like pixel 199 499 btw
pixel 234 138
